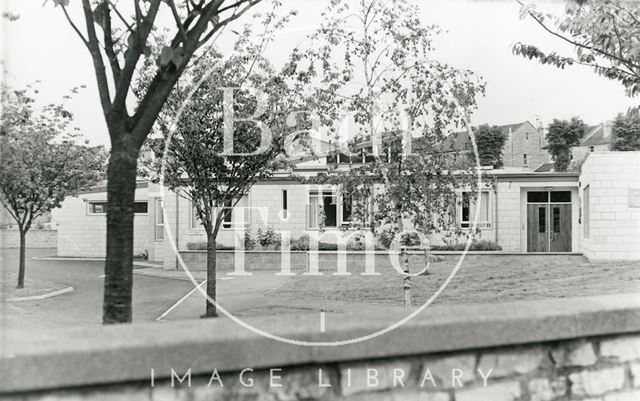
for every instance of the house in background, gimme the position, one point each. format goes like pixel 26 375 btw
pixel 523 148
pixel 597 138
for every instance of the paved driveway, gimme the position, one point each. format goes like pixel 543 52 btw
pixel 151 295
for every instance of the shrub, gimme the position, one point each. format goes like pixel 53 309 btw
pixel 357 243
pixel 300 244
pixel 327 246
pixel 144 255
pixel 386 237
pixel 249 243
pixel 269 239
pixel 202 246
pixel 476 245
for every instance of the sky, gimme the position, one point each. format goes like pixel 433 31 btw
pixel 479 35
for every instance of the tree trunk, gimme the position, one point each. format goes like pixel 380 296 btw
pixel 21 268
pixel 118 269
pixel 211 276
pixel 404 260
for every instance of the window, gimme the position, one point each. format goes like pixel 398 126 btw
pixel 159 220
pixel 524 159
pixel 227 217
pixel 468 210
pixel 561 197
pixel 322 208
pixel 97 207
pixel 195 220
pixel 141 207
pixel 526 136
pixel 537 197
pixel 330 207
pixel 591 148
pixel 285 205
pixel 227 214
pixel 347 204
pixel 585 211
pixel 101 208
pixel 542 219
pixel 556 219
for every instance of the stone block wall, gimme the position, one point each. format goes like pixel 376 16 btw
pixel 508 216
pixel 614 215
pixel 588 369
pixel 580 349
pixel 83 235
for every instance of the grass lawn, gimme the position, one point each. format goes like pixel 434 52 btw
pixel 481 279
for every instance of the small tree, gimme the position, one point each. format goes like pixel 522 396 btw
pixel 490 143
pixel 40 164
pixel 626 132
pixel 604 34
pixel 561 136
pixel 116 53
pixel 199 163
pixel 373 62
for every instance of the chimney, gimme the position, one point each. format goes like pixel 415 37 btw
pixel 606 129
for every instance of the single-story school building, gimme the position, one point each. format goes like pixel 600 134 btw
pixel 595 212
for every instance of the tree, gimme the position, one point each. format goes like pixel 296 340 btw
pixel 40 163
pixel 626 132
pixel 604 34
pixel 561 136
pixel 121 47
pixel 490 143
pixel 372 65
pixel 198 163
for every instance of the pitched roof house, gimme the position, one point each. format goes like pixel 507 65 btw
pixel 523 149
pixel 597 138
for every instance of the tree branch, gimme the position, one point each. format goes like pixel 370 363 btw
pixel 94 49
pixel 578 44
pixel 143 28
pixel 75 28
pixel 108 42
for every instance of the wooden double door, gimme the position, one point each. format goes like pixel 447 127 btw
pixel 549 226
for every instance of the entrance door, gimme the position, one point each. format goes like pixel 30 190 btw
pixel 560 227
pixel 537 228
pixel 549 221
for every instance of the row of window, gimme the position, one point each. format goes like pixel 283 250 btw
pixel 101 208
pixel 329 209
pixel 139 208
pixel 325 209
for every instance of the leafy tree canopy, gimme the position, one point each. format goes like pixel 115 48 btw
pixel 370 66
pixel 604 33
pixel 490 142
pixel 207 148
pixel 626 132
pixel 40 162
pixel 561 136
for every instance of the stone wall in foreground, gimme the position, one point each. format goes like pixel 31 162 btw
pixel 589 350
pixel 593 369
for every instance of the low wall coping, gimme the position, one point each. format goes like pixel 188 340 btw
pixel 91 355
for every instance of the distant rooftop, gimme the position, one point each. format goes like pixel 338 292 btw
pixel 597 135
